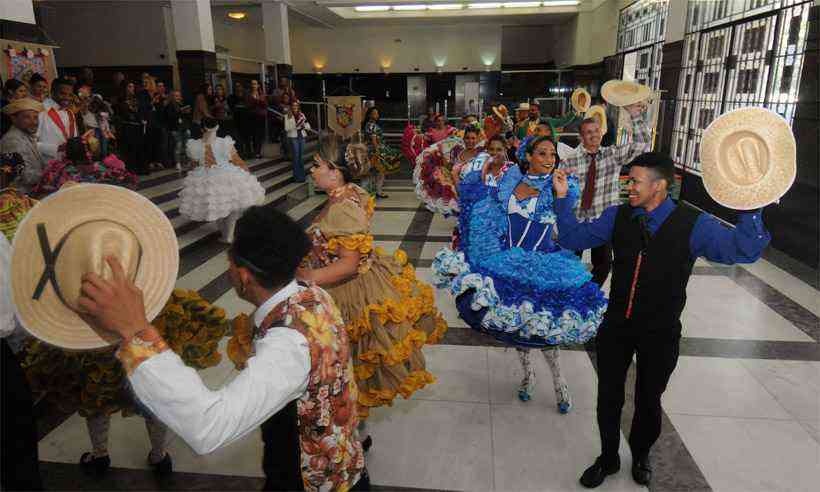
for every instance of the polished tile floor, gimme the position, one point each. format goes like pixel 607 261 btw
pixel 742 411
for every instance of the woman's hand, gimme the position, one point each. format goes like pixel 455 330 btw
pixel 559 183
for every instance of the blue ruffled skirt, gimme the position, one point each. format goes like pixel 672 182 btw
pixel 523 298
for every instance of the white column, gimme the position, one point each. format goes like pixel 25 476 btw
pixel 676 21
pixel 18 11
pixel 277 32
pixel 193 27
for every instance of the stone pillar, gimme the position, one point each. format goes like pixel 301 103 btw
pixel 194 39
pixel 277 32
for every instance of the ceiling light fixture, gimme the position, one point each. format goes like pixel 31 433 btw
pixel 237 15
pixel 561 3
pixel 484 5
pixel 372 8
pixel 408 8
pixel 445 6
pixel 514 5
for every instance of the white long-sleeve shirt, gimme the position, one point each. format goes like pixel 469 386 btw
pixel 50 135
pixel 6 307
pixel 208 420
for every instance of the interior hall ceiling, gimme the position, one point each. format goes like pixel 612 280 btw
pixel 318 13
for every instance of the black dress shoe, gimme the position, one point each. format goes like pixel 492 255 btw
pixel 641 471
pixel 164 467
pixel 595 474
pixel 95 466
pixel 367 443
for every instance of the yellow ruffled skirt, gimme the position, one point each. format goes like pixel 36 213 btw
pixel 390 316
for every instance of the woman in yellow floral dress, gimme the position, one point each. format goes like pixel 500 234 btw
pixel 389 314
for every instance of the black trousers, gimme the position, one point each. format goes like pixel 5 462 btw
pixel 657 355
pixel 20 465
pixel 601 262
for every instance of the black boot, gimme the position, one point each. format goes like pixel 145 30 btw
pixel 95 466
pixel 595 474
pixel 641 470
pixel 164 467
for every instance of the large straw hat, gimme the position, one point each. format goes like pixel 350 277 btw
pixel 523 107
pixel 23 104
pixel 580 100
pixel 624 92
pixel 69 234
pixel 598 113
pixel 748 158
pixel 501 111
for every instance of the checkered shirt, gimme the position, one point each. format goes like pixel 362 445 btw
pixel 610 160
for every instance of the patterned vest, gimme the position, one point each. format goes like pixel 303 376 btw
pixel 330 455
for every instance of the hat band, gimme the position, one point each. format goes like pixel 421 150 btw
pixel 50 256
pixel 50 259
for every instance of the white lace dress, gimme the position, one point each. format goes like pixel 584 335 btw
pixel 217 187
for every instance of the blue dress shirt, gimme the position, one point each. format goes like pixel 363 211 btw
pixel 709 239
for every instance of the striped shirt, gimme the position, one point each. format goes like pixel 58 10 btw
pixel 609 161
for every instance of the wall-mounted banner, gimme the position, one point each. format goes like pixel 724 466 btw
pixel 344 115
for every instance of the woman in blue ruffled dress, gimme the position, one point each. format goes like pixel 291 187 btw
pixel 509 276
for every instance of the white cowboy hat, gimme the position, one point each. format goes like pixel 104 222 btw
pixel 624 92
pixel 523 107
pixel 70 233
pixel 748 158
pixel 580 100
pixel 597 113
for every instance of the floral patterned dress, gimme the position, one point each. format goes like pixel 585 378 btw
pixel 433 175
pixel 385 159
pixel 389 313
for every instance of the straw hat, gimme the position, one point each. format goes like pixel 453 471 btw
pixel 624 92
pixel 748 158
pixel 523 107
pixel 76 228
pixel 23 104
pixel 597 113
pixel 580 100
pixel 501 111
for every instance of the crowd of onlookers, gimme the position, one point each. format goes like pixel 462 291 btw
pixel 147 124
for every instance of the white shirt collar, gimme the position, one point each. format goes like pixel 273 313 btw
pixel 262 311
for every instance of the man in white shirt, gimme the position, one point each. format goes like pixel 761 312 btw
pixel 20 469
pixel 280 380
pixel 57 123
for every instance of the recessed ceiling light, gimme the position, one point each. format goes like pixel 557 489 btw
pixel 409 7
pixel 237 15
pixel 445 6
pixel 371 8
pixel 484 5
pixel 514 5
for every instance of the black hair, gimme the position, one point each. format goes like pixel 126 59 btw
pixel 36 78
pixel 471 129
pixel 270 245
pixel 209 123
pixel 497 138
pixel 75 150
pixel 12 85
pixel 367 114
pixel 587 121
pixel 57 83
pixel 533 144
pixel 660 164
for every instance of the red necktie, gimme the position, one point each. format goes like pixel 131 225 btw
pixel 589 186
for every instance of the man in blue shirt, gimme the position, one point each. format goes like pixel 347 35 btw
pixel 655 244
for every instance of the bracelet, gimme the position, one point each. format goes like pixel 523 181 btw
pixel 140 348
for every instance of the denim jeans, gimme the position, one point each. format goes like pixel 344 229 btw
pixel 297 145
pixel 178 140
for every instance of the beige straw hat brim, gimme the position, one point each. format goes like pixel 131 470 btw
pixel 48 318
pixel 624 92
pixel 500 111
pixel 748 158
pixel 599 114
pixel 576 100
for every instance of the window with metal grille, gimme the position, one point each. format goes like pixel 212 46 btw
pixel 715 48
pixel 678 151
pixel 705 117
pixel 747 81
pixel 794 29
pixel 786 79
pixel 644 60
pixel 687 83
pixel 753 39
pixel 683 117
pixel 710 82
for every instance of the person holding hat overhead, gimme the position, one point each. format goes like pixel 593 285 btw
pixel 298 383
pixel 655 243
pixel 598 169
pixel 22 139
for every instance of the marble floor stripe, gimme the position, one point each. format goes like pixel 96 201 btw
pixel 805 273
pixel 419 226
pixel 798 315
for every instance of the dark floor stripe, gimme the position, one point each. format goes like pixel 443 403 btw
pixel 797 315
pixel 412 237
pixel 63 476
pixel 785 262
pixel 198 253
pixel 419 227
pixel 396 209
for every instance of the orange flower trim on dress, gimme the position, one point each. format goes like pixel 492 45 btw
pixel 384 397
pixel 240 345
pixel 140 348
pixel 361 243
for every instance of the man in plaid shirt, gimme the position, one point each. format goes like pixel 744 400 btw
pixel 598 170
